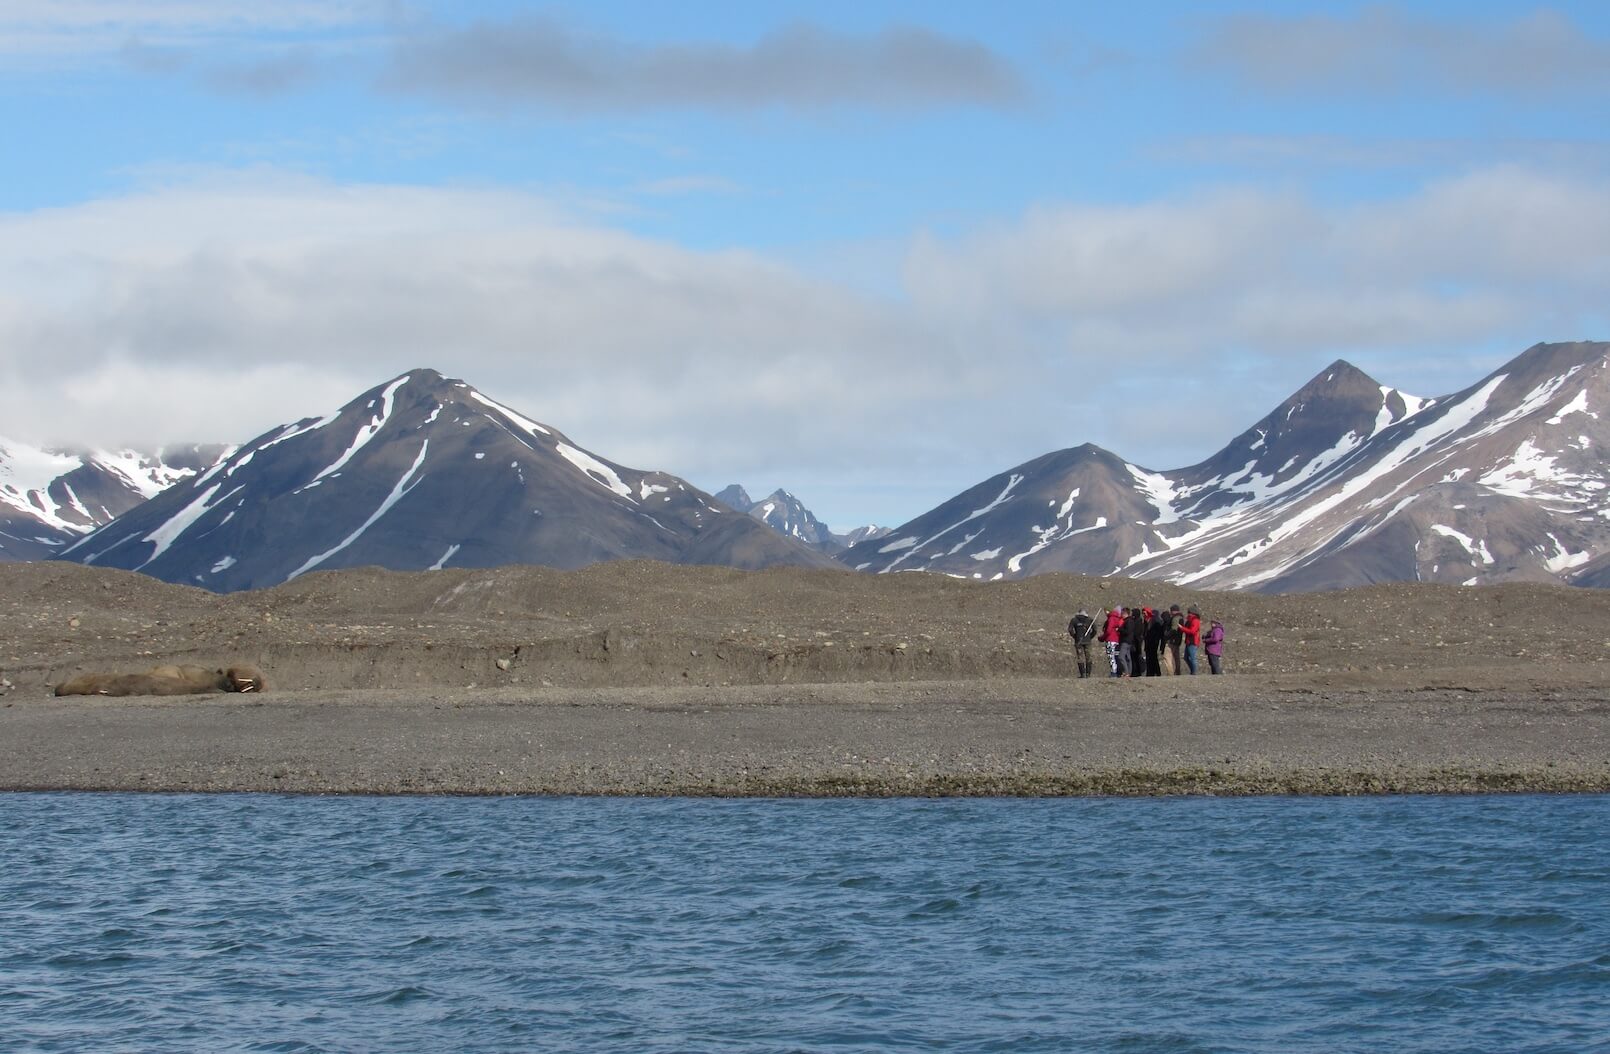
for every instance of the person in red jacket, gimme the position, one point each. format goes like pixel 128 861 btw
pixel 1109 639
pixel 1192 631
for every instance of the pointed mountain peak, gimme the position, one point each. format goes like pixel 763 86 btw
pixel 735 497
pixel 1339 378
pixel 417 399
pixel 415 386
pixel 1339 408
pixel 1087 450
pixel 1341 390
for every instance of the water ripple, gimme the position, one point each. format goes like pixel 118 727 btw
pixel 262 923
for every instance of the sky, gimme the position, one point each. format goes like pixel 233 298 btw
pixel 873 253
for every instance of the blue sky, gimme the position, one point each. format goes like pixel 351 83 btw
pixel 869 252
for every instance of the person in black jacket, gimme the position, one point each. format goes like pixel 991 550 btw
pixel 1132 644
pixel 1083 631
pixel 1156 630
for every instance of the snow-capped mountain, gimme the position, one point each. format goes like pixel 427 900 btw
pixel 856 535
pixel 786 514
pixel 1347 482
pixel 422 472
pixel 51 498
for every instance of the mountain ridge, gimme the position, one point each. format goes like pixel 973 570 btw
pixel 787 514
pixel 1345 482
pixel 50 497
pixel 417 473
pixel 1329 489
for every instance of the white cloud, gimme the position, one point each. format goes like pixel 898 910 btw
pixel 1091 259
pixel 1500 251
pixel 222 307
pixel 216 308
pixel 1506 224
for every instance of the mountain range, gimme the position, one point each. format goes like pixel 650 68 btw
pixel 51 498
pixel 1346 482
pixel 417 473
pixel 786 514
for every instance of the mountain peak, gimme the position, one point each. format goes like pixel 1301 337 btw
pixel 1541 361
pixel 733 496
pixel 1339 376
pixel 1339 408
pixel 422 375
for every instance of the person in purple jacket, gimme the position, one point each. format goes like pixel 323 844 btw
pixel 1213 644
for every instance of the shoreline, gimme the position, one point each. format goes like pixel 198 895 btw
pixel 999 738
pixel 1099 785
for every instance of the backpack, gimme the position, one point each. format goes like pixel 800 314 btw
pixel 1082 628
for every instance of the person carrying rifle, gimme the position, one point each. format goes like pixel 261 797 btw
pixel 1083 631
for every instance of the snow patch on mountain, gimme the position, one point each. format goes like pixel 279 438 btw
pixel 1562 559
pixel 26 474
pixel 368 431
pixel 1159 490
pixel 594 469
pixel 912 546
pixel 398 492
pixel 1477 550
pixel 165 535
pixel 1578 405
pixel 1529 467
pixel 522 421
pixel 1412 404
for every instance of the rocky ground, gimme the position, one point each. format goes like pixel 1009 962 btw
pixel 648 678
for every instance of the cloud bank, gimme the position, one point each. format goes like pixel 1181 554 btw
pixel 214 310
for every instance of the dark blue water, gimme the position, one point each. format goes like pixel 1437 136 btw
pixel 288 924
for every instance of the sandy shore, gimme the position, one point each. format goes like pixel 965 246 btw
pixel 1019 737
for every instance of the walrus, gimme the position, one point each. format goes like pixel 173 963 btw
pixel 244 678
pixel 166 680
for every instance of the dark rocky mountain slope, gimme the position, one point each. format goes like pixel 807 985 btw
pixel 422 472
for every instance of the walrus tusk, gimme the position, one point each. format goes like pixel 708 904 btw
pixel 251 686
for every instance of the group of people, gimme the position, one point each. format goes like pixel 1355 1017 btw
pixel 1147 642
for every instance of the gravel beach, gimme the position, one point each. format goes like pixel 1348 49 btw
pixel 644 679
